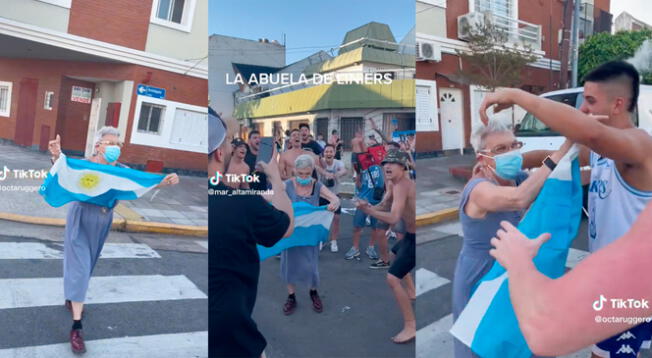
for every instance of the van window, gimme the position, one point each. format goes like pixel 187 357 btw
pixel 531 126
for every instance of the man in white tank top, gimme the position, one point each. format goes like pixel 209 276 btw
pixel 620 156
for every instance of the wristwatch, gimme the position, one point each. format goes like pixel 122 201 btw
pixel 550 163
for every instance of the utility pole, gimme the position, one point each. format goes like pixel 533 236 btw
pixel 565 44
pixel 576 43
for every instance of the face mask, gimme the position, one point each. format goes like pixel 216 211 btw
pixel 508 165
pixel 111 153
pixel 302 181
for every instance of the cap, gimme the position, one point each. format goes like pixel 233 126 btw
pixel 395 156
pixel 237 142
pixel 216 130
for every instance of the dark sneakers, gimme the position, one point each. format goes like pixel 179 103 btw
pixel 77 341
pixel 316 301
pixel 290 305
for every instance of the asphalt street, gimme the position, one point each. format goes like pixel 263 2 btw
pixel 360 314
pixel 436 259
pixel 147 296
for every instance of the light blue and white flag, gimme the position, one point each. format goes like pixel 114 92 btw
pixel 311 226
pixel 488 324
pixel 100 184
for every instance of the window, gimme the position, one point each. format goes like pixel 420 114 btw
pixel 175 14
pixel 5 98
pixel 531 126
pixel 189 128
pixel 503 10
pixel 150 118
pixel 49 100
pixel 170 10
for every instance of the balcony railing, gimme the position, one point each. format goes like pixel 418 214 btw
pixel 519 32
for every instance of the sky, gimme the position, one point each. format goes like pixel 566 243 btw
pixel 309 26
pixel 640 9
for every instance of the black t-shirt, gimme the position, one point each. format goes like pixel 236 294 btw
pixel 236 224
pixel 250 159
pixel 314 146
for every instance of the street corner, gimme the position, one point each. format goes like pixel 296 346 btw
pixel 438 216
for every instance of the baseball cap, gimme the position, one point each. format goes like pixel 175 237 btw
pixel 216 130
pixel 395 156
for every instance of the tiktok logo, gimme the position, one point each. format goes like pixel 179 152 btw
pixel 599 303
pixel 215 179
pixel 3 173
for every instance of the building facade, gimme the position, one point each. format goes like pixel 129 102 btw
pixel 447 107
pixel 368 50
pixel 626 22
pixel 69 67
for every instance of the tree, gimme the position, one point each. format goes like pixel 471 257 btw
pixel 604 47
pixel 493 60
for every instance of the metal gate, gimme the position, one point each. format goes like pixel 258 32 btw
pixel 348 127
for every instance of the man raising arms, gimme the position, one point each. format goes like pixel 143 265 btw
pixel 618 152
pixel 403 207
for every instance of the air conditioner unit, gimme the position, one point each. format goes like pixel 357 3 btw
pixel 468 22
pixel 428 51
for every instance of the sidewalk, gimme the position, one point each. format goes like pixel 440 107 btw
pixel 182 204
pixel 438 191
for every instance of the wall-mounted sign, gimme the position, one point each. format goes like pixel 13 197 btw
pixel 81 94
pixel 150 91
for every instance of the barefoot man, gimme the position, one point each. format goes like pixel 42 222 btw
pixel 403 207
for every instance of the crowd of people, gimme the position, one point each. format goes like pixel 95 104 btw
pixel 313 171
pixel 558 316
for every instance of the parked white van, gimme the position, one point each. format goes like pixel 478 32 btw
pixel 536 135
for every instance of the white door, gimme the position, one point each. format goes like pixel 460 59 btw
pixel 93 125
pixel 452 118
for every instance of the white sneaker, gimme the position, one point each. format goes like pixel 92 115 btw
pixel 321 245
pixel 334 246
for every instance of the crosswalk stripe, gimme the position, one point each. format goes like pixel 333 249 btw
pixel 434 340
pixel 35 292
pixel 428 281
pixel 202 243
pixel 575 256
pixel 35 250
pixel 192 344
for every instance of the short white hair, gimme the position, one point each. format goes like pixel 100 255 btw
pixel 304 161
pixel 480 134
pixel 104 131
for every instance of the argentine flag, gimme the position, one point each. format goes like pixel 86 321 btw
pixel 488 324
pixel 100 184
pixel 311 226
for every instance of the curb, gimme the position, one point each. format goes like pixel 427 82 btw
pixel 437 217
pixel 118 225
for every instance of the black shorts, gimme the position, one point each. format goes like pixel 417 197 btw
pixel 405 260
pixel 323 201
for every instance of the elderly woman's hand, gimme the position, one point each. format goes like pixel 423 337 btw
pixel 170 179
pixel 55 147
pixel 333 206
pixel 512 248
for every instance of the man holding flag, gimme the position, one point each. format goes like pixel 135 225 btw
pixel 90 215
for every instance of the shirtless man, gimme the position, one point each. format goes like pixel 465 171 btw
pixel 358 146
pixel 403 207
pixel 619 155
pixel 286 163
pixel 238 166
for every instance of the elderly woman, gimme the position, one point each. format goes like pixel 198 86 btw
pixel 498 190
pixel 87 227
pixel 300 265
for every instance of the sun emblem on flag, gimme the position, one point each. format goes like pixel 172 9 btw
pixel 89 181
